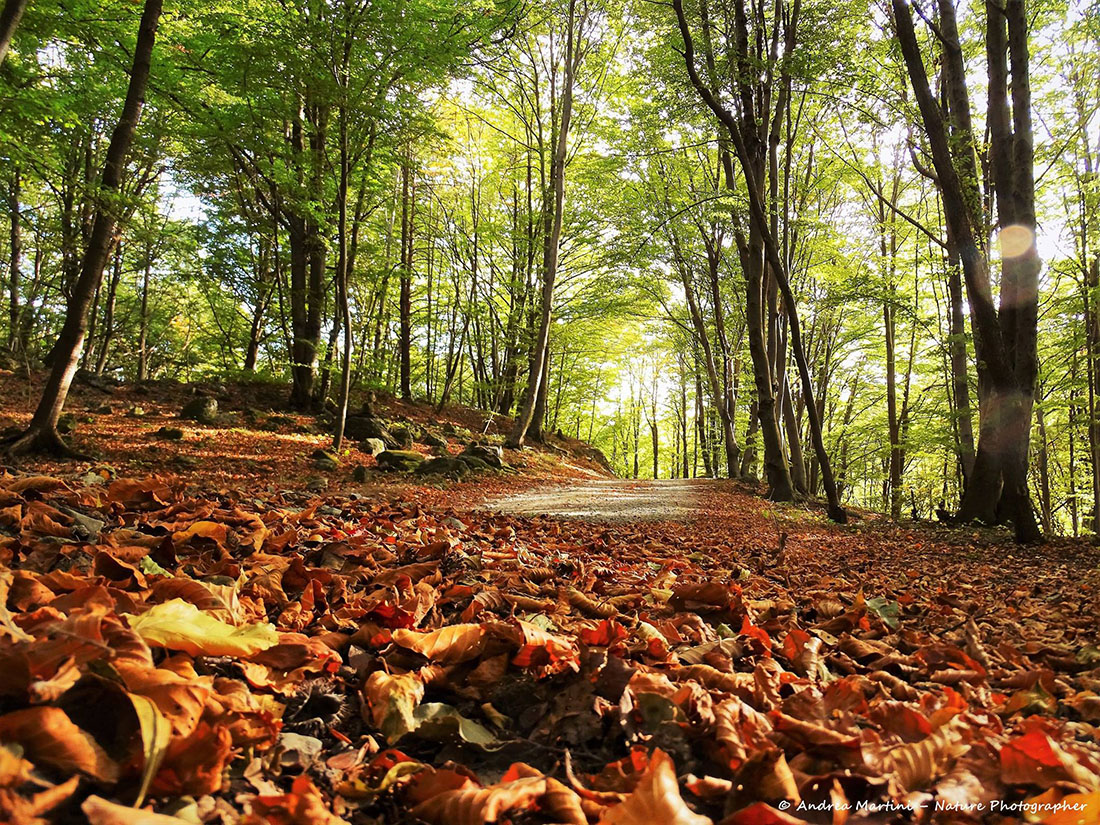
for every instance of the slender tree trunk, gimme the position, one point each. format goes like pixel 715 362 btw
pixel 42 432
pixel 14 262
pixel 408 196
pixel 552 227
pixel 109 312
pixel 344 305
pixel 143 321
pixel 1045 507
pixel 960 376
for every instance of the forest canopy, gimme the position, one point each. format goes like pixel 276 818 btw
pixel 846 248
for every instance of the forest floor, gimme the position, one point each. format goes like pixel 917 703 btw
pixel 212 636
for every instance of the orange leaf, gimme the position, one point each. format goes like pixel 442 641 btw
pixel 656 799
pixel 50 737
pixel 448 645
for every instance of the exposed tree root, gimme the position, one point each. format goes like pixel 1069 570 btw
pixel 40 441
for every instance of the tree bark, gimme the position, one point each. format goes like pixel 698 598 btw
pixel 1006 338
pixel 42 433
pixel 408 196
pixel 109 312
pixel 552 228
pixel 9 22
pixel 14 263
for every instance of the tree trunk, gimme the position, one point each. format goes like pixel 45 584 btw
pixel 14 262
pixel 552 224
pixel 42 433
pixel 109 312
pixel 960 376
pixel 343 304
pixel 143 332
pixel 1005 338
pixel 9 22
pixel 408 196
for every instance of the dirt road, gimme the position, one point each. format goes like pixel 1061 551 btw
pixel 610 501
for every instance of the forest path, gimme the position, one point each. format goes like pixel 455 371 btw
pixel 609 501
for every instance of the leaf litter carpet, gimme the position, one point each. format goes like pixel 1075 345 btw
pixel 288 659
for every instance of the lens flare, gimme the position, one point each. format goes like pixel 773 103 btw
pixel 1015 240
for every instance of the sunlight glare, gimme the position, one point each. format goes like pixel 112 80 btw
pixel 1015 240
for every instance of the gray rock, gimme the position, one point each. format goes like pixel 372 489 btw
pixel 325 460
pixel 373 446
pixel 489 453
pixel 443 466
pixel 403 436
pixel 362 426
pixel 433 440
pixel 203 410
pixel 84 527
pixel 400 460
pixel 298 751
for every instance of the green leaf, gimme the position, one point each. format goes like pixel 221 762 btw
pixel 886 610
pixel 435 720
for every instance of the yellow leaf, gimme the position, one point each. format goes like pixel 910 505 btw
pixel 102 812
pixel 180 625
pixel 156 733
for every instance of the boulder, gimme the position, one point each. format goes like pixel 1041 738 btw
pixel 474 463
pixel 404 461
pixel 203 410
pixel 403 436
pixel 325 460
pixel 443 466
pixel 433 439
pixel 360 427
pixel 367 410
pixel 490 454
pixel 372 446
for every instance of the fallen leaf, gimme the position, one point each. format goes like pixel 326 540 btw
pixel 179 625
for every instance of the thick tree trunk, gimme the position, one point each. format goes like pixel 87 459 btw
pixel 42 433
pixel 9 22
pixel 776 471
pixel 1005 339
pixel 303 354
